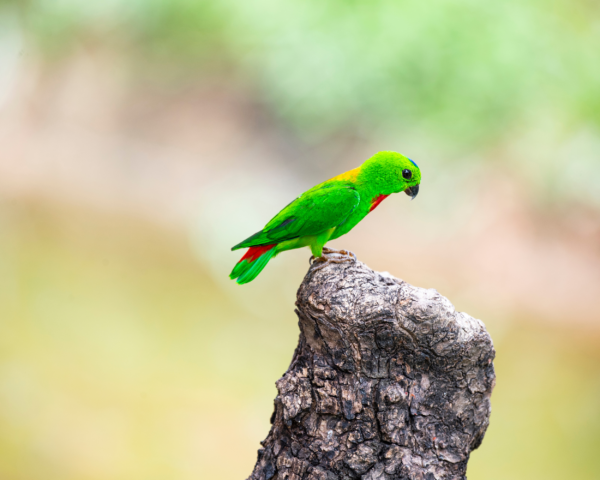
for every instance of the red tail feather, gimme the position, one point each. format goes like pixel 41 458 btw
pixel 254 252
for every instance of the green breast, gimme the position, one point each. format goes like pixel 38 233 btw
pixel 355 217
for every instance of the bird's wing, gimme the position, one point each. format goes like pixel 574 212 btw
pixel 312 213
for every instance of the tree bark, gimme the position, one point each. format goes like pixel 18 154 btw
pixel 388 381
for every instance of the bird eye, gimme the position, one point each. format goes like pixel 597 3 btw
pixel 407 174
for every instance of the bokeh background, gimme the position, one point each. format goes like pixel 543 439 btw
pixel 141 139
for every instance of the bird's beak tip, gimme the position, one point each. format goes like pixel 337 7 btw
pixel 412 192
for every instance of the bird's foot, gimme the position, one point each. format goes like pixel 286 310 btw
pixel 346 253
pixel 332 256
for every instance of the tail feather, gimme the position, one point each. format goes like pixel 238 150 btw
pixel 252 263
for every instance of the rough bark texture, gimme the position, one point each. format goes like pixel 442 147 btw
pixel 388 381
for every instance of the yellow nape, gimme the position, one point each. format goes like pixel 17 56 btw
pixel 350 175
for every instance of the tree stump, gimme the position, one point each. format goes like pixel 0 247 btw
pixel 388 381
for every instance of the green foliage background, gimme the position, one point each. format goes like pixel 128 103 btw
pixel 519 77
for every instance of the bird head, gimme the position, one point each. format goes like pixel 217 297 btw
pixel 392 172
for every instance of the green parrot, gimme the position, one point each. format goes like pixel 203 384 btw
pixel 328 211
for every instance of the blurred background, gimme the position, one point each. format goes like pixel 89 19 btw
pixel 141 139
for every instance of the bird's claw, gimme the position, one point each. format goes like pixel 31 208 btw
pixel 328 257
pixel 346 253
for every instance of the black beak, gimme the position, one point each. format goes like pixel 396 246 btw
pixel 412 191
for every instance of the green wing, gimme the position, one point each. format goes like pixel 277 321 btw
pixel 313 212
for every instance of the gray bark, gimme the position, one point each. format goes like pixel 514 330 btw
pixel 388 381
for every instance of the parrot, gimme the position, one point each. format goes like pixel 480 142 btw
pixel 327 211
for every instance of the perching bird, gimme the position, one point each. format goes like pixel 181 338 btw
pixel 327 211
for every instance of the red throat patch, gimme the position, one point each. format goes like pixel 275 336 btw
pixel 255 252
pixel 376 201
